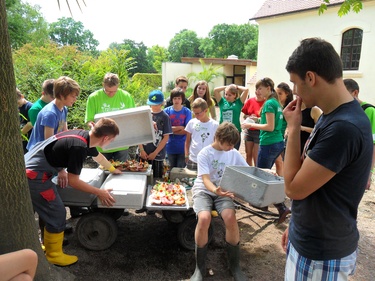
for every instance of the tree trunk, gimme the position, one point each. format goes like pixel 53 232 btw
pixel 18 226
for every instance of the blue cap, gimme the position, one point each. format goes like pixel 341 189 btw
pixel 155 97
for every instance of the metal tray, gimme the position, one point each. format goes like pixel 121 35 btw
pixel 149 206
pixel 147 173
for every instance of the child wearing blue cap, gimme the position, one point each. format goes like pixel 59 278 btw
pixel 154 152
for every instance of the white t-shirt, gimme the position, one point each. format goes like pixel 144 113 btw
pixel 213 162
pixel 202 134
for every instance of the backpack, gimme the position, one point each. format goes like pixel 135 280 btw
pixel 366 105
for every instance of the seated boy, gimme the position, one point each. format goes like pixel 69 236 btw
pixel 208 195
pixel 200 132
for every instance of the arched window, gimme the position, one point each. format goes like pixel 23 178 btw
pixel 351 48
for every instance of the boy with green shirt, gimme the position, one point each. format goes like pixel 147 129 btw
pixel 47 97
pixel 109 98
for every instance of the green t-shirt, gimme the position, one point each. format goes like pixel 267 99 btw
pixel 265 137
pixel 99 102
pixel 231 111
pixel 370 112
pixel 35 109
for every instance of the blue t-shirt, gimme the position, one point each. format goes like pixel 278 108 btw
pixel 176 143
pixel 50 116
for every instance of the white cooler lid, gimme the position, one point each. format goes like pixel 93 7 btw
pixel 136 126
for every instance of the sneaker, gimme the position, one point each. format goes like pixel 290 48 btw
pixel 126 212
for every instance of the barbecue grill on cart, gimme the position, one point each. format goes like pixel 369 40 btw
pixel 96 228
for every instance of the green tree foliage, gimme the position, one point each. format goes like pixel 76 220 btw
pixel 225 40
pixel 67 31
pixel 184 44
pixel 138 51
pixel 25 24
pixel 157 55
pixel 35 64
pixel 345 8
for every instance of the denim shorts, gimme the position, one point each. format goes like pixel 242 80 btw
pixel 203 201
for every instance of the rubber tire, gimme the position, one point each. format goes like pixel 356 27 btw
pixel 114 213
pixel 174 216
pixel 186 230
pixel 96 231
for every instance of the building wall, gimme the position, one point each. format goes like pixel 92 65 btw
pixel 280 35
pixel 171 70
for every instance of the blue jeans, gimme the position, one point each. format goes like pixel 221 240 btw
pixel 176 160
pixel 268 153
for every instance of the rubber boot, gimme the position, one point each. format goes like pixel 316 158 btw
pixel 200 263
pixel 233 253
pixel 54 254
pixel 283 212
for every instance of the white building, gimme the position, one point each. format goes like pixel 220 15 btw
pixel 284 23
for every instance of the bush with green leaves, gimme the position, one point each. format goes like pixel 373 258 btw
pixel 34 64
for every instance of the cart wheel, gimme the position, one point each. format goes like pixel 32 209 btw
pixel 96 231
pixel 185 234
pixel 113 213
pixel 173 216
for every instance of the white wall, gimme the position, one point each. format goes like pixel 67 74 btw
pixel 280 35
pixel 171 70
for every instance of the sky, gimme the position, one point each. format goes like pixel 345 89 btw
pixel 149 21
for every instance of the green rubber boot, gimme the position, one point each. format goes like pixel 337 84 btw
pixel 200 263
pixel 233 253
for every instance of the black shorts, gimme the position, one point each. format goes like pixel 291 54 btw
pixel 252 135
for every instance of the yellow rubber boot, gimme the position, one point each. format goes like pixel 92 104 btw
pixel 54 254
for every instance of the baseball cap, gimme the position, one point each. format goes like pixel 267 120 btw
pixel 155 97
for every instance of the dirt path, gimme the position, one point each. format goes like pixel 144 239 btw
pixel 147 249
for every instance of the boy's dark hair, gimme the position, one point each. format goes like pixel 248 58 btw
pixel 47 87
pixel 181 79
pixel 227 133
pixel 111 79
pixel 177 92
pixel 64 86
pixel 351 85
pixel 105 127
pixel 199 103
pixel 317 55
